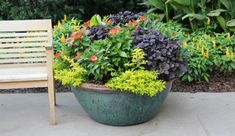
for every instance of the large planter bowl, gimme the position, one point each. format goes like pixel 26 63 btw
pixel 118 108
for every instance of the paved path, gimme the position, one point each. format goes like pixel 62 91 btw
pixel 183 114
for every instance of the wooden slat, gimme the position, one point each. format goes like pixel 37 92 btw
pixel 22 55
pixel 25 78
pixel 7 61
pixel 23 74
pixel 37 34
pixel 22 65
pixel 25 25
pixel 22 50
pixel 23 84
pixel 24 39
pixel 23 44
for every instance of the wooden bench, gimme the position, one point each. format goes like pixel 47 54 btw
pixel 26 57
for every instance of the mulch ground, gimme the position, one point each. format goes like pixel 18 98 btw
pixel 58 86
pixel 218 83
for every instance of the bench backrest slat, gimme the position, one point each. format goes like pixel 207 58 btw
pixel 23 42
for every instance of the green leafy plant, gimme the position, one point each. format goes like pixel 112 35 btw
pixel 138 60
pixel 208 53
pixel 171 29
pixel 96 20
pixel 197 12
pixel 181 9
pixel 74 76
pixel 111 53
pixel 139 82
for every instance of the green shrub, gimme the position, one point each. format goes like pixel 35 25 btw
pixel 38 9
pixel 55 9
pixel 139 82
pixel 197 13
pixel 206 53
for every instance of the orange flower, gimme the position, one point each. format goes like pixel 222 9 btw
pixel 93 58
pixel 142 18
pixel 77 34
pixel 87 24
pixel 57 55
pixel 134 23
pixel 115 30
pixel 77 56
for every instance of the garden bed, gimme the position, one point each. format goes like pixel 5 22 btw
pixel 218 83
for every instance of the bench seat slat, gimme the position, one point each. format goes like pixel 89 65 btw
pixel 33 34
pixel 22 25
pixel 22 50
pixel 26 60
pixel 22 45
pixel 22 55
pixel 33 39
pixel 23 74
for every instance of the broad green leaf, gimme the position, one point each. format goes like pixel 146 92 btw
pixel 181 2
pixel 157 4
pixel 231 23
pixel 123 54
pixel 96 20
pixel 194 16
pixel 229 4
pixel 222 22
pixel 232 29
pixel 215 13
pixel 99 20
pixel 93 21
pixel 151 10
pixel 178 16
pixel 189 8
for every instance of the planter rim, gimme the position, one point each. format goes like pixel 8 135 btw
pixel 102 88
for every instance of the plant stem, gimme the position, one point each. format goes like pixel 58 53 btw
pixel 166 12
pixel 191 23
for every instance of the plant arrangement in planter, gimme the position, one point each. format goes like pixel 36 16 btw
pixel 119 67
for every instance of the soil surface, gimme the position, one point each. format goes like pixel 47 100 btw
pixel 218 83
pixel 58 86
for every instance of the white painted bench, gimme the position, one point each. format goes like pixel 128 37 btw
pixel 26 57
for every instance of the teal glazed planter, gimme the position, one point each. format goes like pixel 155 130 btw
pixel 118 108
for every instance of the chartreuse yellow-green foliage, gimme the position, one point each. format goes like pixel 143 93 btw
pixel 73 76
pixel 137 60
pixel 140 82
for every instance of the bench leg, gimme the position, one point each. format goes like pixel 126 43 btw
pixel 51 94
pixel 55 96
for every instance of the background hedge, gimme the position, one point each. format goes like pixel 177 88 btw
pixel 55 9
